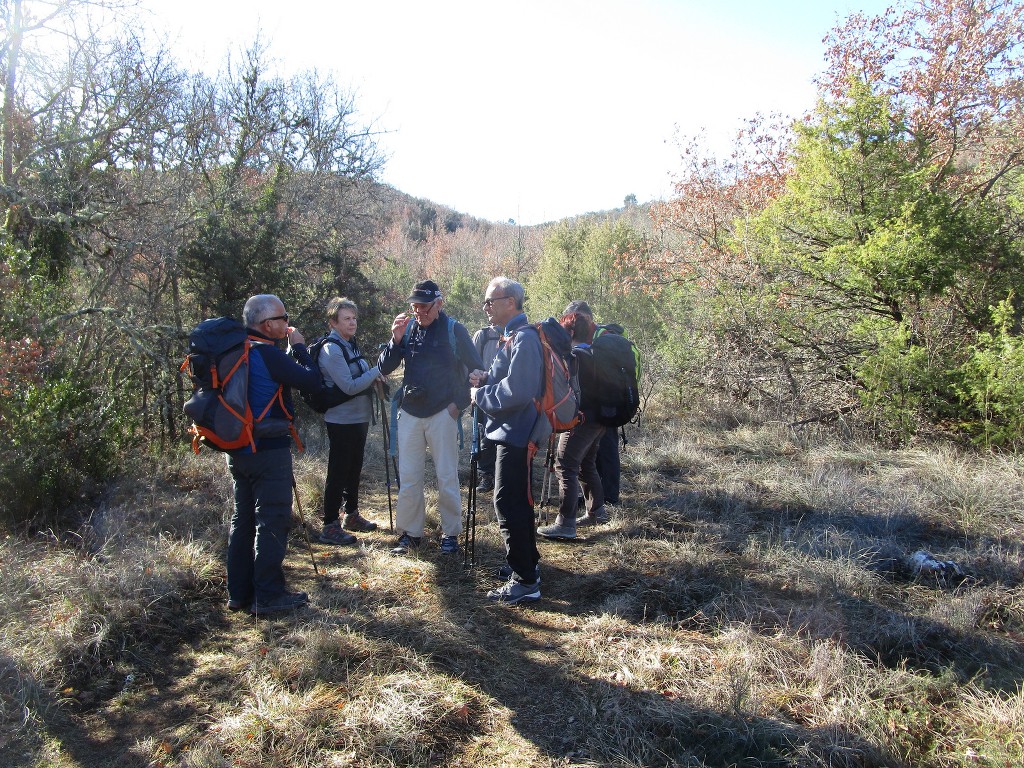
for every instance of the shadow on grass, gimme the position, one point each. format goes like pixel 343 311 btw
pixel 514 658
pixel 129 695
pixel 756 548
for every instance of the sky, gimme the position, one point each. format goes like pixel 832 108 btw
pixel 532 110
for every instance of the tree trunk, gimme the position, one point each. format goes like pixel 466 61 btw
pixel 10 80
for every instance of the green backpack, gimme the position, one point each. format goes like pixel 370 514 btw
pixel 615 389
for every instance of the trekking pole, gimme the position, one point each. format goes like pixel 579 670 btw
pixel 393 428
pixel 305 529
pixel 548 481
pixel 386 434
pixel 469 530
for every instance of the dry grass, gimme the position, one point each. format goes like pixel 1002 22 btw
pixel 751 603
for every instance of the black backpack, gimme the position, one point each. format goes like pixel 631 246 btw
pixel 328 395
pixel 615 392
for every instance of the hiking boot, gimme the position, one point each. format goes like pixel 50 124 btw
pixel 289 601
pixel 513 592
pixel 406 544
pixel 486 482
pixel 332 534
pixel 559 530
pixel 356 522
pixel 597 517
pixel 505 572
pixel 449 545
pixel 239 605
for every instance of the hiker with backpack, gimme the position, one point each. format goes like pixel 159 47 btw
pixel 344 367
pixel 618 366
pixel 486 341
pixel 508 394
pixel 262 472
pixel 576 456
pixel 439 356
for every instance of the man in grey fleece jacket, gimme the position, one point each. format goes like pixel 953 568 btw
pixel 507 394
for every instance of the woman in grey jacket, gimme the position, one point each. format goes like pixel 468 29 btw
pixel 347 424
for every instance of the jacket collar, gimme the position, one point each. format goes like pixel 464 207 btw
pixel 261 336
pixel 515 323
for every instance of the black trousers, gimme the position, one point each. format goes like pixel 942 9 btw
pixel 344 468
pixel 608 464
pixel 513 504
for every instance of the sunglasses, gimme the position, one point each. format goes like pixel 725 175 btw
pixel 276 317
pixel 490 302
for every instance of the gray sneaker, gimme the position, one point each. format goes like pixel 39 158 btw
pixel 558 531
pixel 598 517
pixel 505 572
pixel 513 592
pixel 356 522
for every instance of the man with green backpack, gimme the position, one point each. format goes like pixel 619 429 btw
pixel 609 370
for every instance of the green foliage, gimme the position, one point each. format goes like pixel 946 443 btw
pixel 893 377
pixel 61 431
pixel 595 262
pixel 62 439
pixel 878 275
pixel 856 223
pixel 235 255
pixel 582 260
pixel 993 382
pixel 462 301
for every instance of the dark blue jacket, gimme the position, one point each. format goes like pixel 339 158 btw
pixel 270 366
pixel 434 377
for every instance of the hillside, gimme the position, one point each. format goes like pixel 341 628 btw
pixel 753 601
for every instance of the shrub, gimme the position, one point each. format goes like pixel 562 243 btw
pixel 993 383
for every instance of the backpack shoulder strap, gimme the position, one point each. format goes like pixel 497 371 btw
pixel 408 332
pixel 344 351
pixel 451 337
pixel 483 336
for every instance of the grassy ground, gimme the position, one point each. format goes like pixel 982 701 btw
pixel 752 602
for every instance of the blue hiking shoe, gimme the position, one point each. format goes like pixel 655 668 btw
pixel 449 545
pixel 406 544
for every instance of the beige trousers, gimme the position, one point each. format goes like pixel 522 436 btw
pixel 439 433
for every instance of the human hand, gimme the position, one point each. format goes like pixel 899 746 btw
pixel 398 326
pixel 477 377
pixel 295 337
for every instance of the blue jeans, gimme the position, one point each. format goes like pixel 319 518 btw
pixel 258 536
